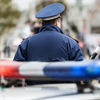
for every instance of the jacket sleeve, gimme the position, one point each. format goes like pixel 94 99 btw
pixel 75 52
pixel 21 54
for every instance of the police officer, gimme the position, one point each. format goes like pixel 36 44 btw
pixel 50 44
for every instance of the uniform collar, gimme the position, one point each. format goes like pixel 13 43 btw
pixel 50 28
pixel 53 28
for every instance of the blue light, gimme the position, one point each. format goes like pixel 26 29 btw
pixel 73 71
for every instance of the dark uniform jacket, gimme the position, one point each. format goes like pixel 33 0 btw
pixel 50 44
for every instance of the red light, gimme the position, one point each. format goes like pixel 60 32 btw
pixel 5 70
pixel 10 69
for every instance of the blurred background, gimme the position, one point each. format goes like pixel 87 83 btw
pixel 80 20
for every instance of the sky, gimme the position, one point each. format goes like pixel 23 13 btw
pixel 24 4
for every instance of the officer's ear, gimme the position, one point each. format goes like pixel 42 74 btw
pixel 57 23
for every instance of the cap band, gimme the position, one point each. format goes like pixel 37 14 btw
pixel 51 18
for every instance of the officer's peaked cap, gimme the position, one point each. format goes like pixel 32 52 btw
pixel 51 11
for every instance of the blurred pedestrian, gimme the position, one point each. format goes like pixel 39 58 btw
pixel 35 27
pixel 50 44
pixel 34 30
pixel 26 31
pixel 7 49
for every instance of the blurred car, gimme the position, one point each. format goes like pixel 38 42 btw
pixel 47 92
pixel 58 74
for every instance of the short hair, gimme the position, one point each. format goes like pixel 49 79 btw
pixel 49 22
pixel 35 30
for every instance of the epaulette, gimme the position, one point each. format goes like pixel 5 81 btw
pixel 25 39
pixel 74 39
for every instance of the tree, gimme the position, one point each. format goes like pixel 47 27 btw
pixel 8 15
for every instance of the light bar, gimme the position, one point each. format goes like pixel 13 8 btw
pixel 10 69
pixel 73 71
pixel 67 71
